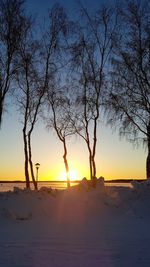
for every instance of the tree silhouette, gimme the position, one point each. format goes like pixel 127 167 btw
pixel 90 53
pixel 35 71
pixel 130 75
pixel 60 120
pixel 30 96
pixel 12 19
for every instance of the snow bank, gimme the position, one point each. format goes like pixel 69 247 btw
pixel 141 186
pixel 76 227
pixel 86 185
pixel 23 204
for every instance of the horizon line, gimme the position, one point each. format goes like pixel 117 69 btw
pixel 75 181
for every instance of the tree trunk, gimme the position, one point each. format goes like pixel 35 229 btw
pixel 90 164
pixel 26 160
pixel 30 161
pixel 148 155
pixel 148 165
pixel 94 179
pixel 94 167
pixel 66 164
pixel 90 156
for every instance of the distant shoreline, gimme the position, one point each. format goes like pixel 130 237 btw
pixel 77 181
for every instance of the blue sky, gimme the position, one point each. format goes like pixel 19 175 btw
pixel 115 158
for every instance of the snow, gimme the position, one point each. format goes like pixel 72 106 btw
pixel 76 227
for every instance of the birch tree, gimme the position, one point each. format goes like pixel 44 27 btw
pixel 91 51
pixel 60 121
pixel 12 19
pixel 37 66
pixel 130 75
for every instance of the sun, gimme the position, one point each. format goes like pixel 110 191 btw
pixel 73 175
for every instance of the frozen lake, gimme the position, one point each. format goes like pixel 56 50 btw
pixel 53 184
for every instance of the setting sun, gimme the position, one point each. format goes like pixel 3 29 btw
pixel 73 174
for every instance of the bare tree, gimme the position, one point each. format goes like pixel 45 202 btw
pixel 58 116
pixel 37 66
pixel 12 19
pixel 30 96
pixel 130 95
pixel 60 120
pixel 91 51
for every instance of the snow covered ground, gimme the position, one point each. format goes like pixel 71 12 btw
pixel 79 227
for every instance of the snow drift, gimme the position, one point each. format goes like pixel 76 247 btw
pixel 80 226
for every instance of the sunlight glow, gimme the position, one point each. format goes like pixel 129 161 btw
pixel 73 174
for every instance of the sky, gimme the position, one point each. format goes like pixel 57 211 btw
pixel 116 159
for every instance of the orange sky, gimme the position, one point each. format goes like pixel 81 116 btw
pixel 115 159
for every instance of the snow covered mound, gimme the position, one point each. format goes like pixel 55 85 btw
pixel 80 199
pixel 141 186
pixel 86 185
pixel 79 226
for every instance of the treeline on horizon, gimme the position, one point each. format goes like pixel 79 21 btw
pixel 74 73
pixel 72 182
